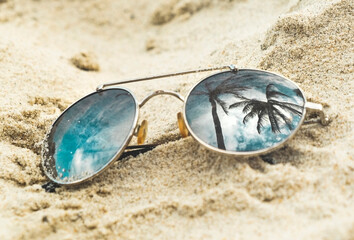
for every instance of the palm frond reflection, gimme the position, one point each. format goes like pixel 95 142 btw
pixel 277 111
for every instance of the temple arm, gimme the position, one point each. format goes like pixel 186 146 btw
pixel 317 108
pixel 129 151
pixel 135 150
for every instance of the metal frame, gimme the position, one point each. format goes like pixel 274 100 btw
pixel 102 86
pixel 324 119
pixel 161 92
pixel 249 153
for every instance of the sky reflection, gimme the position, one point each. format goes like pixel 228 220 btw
pixel 91 133
pixel 238 135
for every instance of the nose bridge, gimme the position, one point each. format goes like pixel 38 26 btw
pixel 161 92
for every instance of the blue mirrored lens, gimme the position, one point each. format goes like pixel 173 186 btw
pixel 89 135
pixel 244 111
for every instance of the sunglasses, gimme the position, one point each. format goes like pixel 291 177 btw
pixel 241 112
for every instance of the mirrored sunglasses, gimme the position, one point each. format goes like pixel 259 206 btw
pixel 240 112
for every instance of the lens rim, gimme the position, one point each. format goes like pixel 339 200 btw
pixel 112 160
pixel 249 153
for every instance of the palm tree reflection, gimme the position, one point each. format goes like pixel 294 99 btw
pixel 275 110
pixel 227 86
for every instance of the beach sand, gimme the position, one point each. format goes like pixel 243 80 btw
pixel 179 190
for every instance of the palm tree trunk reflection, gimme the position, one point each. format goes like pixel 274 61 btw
pixel 226 86
pixel 217 125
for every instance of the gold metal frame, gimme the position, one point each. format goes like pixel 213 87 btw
pixel 307 106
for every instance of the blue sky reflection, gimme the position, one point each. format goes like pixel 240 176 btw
pixel 91 132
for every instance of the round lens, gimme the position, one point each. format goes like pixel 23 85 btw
pixel 89 135
pixel 244 112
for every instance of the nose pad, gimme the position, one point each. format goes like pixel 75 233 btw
pixel 182 126
pixel 142 132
